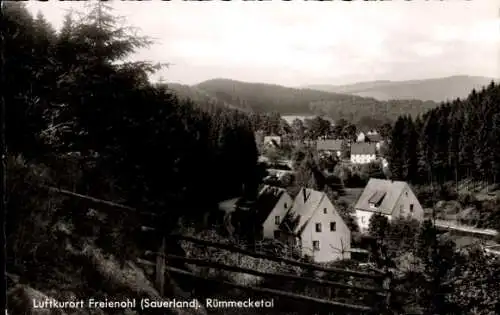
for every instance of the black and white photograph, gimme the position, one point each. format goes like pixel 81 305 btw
pixel 250 157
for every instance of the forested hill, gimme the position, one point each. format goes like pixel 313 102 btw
pixel 265 98
pixel 438 89
pixel 454 141
pixel 200 97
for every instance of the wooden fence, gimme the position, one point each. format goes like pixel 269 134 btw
pixel 162 263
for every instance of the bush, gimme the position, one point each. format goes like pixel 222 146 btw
pixel 30 216
pixel 448 192
pixel 467 199
pixel 372 170
pixel 426 195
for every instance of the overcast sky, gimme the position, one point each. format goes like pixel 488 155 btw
pixel 298 42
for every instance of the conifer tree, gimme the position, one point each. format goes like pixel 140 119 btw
pixel 396 150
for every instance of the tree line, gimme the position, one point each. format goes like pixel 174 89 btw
pixel 317 127
pixel 455 141
pixel 266 98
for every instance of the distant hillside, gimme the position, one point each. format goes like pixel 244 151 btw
pixel 269 97
pixel 260 97
pixel 440 89
pixel 199 96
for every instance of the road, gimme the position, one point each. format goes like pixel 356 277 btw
pixel 464 228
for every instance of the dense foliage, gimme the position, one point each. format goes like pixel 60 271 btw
pixel 82 118
pixel 88 102
pixel 454 141
pixel 441 279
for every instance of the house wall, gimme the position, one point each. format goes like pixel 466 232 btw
pixel 402 208
pixel 363 219
pixel 269 225
pixel 331 243
pixel 331 153
pixel 363 158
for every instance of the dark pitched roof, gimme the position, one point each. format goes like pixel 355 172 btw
pixel 373 138
pixel 305 204
pixel 266 201
pixel 382 193
pixel 363 148
pixel 329 145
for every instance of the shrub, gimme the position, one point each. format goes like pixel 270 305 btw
pixel 30 216
pixel 467 199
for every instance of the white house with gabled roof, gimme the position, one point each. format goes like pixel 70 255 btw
pixel 389 198
pixel 314 225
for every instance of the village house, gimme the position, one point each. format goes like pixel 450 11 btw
pixel 373 137
pixel 309 222
pixel 330 146
pixel 376 138
pixel 363 152
pixel 272 141
pixel 361 137
pixel 271 207
pixel 280 168
pixel 389 198
pixel 315 227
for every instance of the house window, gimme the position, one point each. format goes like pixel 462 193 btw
pixel 316 245
pixel 411 207
pixel 285 205
pixel 277 220
pixel 318 227
pixel 324 210
pixel 277 234
pixel 333 226
pixel 362 219
pixel 406 193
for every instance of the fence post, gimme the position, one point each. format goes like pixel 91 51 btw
pixel 387 285
pixel 160 267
